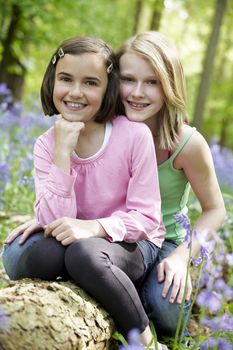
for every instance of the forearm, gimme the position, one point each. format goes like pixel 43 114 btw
pixel 209 221
pixel 55 197
pixel 62 160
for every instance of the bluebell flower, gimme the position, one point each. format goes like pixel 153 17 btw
pixel 4 90
pixel 229 259
pixel 209 299
pixel 133 341
pixel 223 162
pixel 184 222
pixel 4 321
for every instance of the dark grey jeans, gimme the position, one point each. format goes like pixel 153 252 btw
pixel 110 272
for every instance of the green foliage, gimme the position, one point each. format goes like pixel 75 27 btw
pixel 44 24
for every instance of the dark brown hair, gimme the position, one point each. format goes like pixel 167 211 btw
pixel 77 46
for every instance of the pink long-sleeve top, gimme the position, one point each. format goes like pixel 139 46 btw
pixel 118 186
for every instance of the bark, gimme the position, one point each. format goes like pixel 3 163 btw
pixel 44 315
pixel 157 13
pixel 14 80
pixel 208 64
pixel 138 10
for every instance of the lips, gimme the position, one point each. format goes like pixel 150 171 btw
pixel 75 105
pixel 138 105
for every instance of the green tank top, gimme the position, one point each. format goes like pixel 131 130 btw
pixel 174 189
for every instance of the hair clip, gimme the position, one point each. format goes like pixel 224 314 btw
pixel 61 52
pixel 109 68
pixel 54 59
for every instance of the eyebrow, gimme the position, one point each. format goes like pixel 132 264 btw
pixel 70 75
pixel 131 75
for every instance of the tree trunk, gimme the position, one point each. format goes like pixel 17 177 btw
pixel 14 81
pixel 44 315
pixel 208 65
pixel 138 10
pixel 157 15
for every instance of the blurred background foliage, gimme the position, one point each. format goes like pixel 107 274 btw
pixel 30 31
pixel 202 30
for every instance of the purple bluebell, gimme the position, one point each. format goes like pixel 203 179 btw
pixel 4 90
pixel 229 259
pixel 210 300
pixel 133 341
pixel 223 162
pixel 222 323
pixel 4 320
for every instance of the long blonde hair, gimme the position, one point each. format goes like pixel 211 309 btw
pixel 162 54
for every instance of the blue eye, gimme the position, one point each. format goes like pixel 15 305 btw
pixel 126 79
pixel 152 82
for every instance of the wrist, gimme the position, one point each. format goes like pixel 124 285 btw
pixel 98 230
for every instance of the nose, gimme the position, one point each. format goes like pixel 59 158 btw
pixel 76 90
pixel 138 90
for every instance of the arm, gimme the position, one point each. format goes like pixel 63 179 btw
pixel 139 214
pixel 142 217
pixel 201 175
pixel 54 178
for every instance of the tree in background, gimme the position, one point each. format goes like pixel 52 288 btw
pixel 29 28
pixel 203 89
pixel 12 68
pixel 148 15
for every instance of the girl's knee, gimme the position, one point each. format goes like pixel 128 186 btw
pixel 13 253
pixel 78 253
pixel 82 256
pixel 38 257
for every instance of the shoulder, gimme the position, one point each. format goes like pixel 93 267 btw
pixel 196 140
pixel 195 153
pixel 196 149
pixel 131 128
pixel 46 140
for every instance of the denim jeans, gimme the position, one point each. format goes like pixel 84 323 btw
pixel 163 314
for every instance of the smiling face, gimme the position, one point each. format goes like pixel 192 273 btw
pixel 140 90
pixel 80 86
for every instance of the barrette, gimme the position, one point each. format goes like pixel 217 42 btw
pixel 109 69
pixel 60 54
pixel 54 59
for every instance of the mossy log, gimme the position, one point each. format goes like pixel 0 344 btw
pixel 52 316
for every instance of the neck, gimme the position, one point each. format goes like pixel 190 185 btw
pixel 90 140
pixel 152 124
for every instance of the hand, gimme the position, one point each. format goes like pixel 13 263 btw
pixel 66 135
pixel 26 229
pixel 67 230
pixel 172 271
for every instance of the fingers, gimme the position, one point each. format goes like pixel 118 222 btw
pixel 18 231
pixel 29 231
pixel 174 280
pixel 167 284
pixel 48 229
pixel 177 287
pixel 165 274
pixel 161 272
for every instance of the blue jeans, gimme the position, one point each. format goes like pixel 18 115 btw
pixel 163 314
